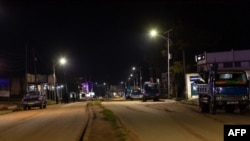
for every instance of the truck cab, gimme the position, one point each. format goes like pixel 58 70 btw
pixel 150 91
pixel 224 89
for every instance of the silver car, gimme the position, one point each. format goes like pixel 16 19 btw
pixel 136 94
pixel 34 99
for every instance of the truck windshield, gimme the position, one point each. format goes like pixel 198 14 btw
pixel 232 76
pixel 151 88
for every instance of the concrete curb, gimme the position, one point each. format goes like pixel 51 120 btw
pixel 89 125
pixel 190 102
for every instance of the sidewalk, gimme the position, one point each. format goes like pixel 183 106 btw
pixel 6 108
pixel 193 101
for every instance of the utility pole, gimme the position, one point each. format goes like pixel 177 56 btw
pixel 26 68
pixel 168 40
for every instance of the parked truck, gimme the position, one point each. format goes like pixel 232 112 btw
pixel 223 89
pixel 150 91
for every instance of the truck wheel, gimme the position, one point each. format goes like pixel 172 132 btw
pixel 243 109
pixel 24 107
pixel 212 109
pixel 41 106
pixel 204 108
pixel 44 106
pixel 144 99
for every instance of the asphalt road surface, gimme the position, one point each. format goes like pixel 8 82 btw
pixel 61 122
pixel 172 121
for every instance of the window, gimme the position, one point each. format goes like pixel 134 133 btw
pixel 225 76
pixel 228 64
pixel 237 64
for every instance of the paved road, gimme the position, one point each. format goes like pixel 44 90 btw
pixel 170 120
pixel 61 122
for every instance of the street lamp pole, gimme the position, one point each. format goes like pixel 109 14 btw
pixel 140 79
pixel 131 75
pixel 136 76
pixel 168 62
pixel 54 82
pixel 154 33
pixel 62 61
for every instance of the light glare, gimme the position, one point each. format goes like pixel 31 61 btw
pixel 62 61
pixel 153 33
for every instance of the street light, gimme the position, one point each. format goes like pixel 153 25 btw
pixel 131 76
pixel 154 33
pixel 134 68
pixel 62 61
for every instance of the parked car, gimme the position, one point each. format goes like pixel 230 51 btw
pixel 136 94
pixel 127 96
pixel 34 99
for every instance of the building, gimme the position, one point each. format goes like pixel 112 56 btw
pixel 18 85
pixel 234 59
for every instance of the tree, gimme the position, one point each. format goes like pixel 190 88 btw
pixel 178 81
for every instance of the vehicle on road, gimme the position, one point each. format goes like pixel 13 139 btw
pixel 34 99
pixel 127 96
pixel 221 88
pixel 226 90
pixel 150 91
pixel 135 94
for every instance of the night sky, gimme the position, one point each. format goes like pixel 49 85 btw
pixel 103 40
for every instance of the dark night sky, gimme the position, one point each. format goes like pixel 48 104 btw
pixel 102 40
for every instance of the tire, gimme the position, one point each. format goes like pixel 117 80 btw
pixel 41 106
pixel 44 106
pixel 204 107
pixel 24 107
pixel 144 99
pixel 212 109
pixel 243 109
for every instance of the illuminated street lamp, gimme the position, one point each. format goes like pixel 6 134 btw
pixel 134 68
pixel 62 61
pixel 154 33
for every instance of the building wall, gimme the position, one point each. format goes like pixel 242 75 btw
pixel 17 85
pixel 234 59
